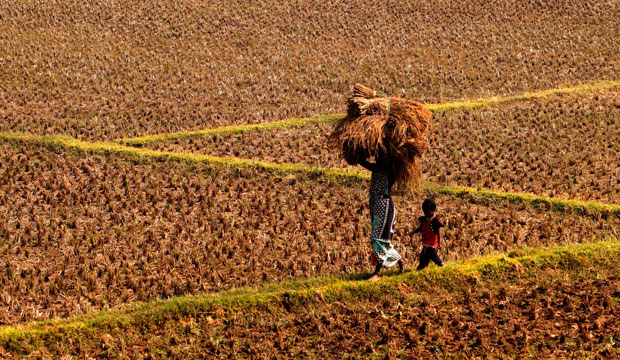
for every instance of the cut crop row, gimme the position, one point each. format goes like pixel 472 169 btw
pixel 564 146
pixel 81 233
pixel 81 69
pixel 541 306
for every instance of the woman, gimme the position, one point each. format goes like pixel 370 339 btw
pixel 382 214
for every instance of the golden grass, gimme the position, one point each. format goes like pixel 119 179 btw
pixel 377 124
pixel 234 129
pixel 471 104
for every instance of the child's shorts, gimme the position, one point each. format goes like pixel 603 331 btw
pixel 426 255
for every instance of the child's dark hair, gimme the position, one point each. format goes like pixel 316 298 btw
pixel 429 204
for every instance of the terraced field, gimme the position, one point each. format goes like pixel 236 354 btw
pixel 562 146
pixel 97 231
pixel 528 304
pixel 162 196
pixel 97 226
pixel 81 69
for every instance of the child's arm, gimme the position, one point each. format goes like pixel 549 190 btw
pixel 419 226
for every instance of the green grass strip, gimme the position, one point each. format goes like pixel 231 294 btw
pixel 471 104
pixel 309 171
pixel 234 129
pixel 517 197
pixel 134 152
pixel 296 294
pixel 331 118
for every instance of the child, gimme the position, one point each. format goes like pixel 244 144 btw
pixel 382 214
pixel 431 240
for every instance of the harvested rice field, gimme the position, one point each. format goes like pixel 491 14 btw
pixel 85 232
pixel 113 69
pixel 163 194
pixel 533 304
pixel 564 146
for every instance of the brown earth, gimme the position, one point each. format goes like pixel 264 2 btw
pixel 81 233
pixel 111 69
pixel 565 146
pixel 544 311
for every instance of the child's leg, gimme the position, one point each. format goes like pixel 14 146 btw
pixel 424 258
pixel 435 257
pixel 401 266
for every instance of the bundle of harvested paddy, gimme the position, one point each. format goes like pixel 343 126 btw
pixel 376 123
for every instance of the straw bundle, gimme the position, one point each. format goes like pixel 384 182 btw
pixel 376 123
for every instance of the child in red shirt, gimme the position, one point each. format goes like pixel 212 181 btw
pixel 431 240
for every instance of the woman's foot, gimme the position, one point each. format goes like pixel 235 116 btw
pixel 374 277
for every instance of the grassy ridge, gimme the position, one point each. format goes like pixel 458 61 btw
pixel 471 104
pixel 295 296
pixel 347 174
pixel 331 118
pixel 233 129
pixel 516 197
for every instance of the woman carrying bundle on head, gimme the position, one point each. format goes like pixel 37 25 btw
pixel 393 133
pixel 382 213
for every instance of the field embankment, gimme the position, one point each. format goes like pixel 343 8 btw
pixel 527 303
pixel 562 145
pixel 126 228
pixel 225 231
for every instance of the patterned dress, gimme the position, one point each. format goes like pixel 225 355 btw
pixel 383 217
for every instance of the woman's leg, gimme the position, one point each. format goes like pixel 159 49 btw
pixel 379 216
pixel 375 276
pixel 383 219
pixel 387 234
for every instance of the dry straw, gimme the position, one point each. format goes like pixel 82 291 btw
pixel 376 123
